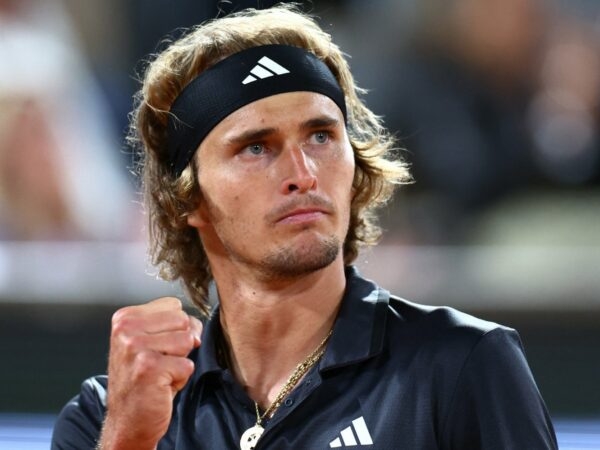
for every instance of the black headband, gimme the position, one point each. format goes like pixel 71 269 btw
pixel 236 81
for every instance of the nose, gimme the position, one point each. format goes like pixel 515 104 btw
pixel 299 171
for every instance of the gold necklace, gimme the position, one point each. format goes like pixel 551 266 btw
pixel 251 435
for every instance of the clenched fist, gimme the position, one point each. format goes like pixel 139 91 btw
pixel 147 366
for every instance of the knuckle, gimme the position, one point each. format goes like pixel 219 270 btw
pixel 196 322
pixel 131 344
pixel 173 302
pixel 145 362
pixel 121 327
pixel 183 369
pixel 196 325
pixel 188 341
pixel 178 320
pixel 188 367
pixel 180 344
pixel 183 320
pixel 120 316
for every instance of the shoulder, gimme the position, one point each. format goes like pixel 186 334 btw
pixel 443 316
pixel 478 371
pixel 443 326
pixel 79 423
pixel 459 344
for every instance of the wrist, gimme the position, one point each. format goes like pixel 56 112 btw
pixel 121 438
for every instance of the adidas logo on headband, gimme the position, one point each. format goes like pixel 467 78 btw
pixel 265 68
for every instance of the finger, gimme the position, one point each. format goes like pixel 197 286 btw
pixel 164 370
pixel 182 371
pixel 196 328
pixel 161 304
pixel 164 304
pixel 174 343
pixel 162 321
pixel 138 321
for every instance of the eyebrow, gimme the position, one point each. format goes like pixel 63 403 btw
pixel 251 135
pixel 260 133
pixel 320 122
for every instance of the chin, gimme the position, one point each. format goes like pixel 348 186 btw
pixel 293 261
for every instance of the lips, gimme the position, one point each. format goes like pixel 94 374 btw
pixel 309 208
pixel 302 215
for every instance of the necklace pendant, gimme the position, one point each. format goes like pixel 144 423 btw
pixel 250 437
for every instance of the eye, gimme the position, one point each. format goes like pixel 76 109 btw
pixel 321 137
pixel 254 149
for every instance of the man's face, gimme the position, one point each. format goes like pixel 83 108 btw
pixel 276 180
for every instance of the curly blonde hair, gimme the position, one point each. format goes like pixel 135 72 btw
pixel 175 247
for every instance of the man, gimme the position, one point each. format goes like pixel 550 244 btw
pixel 262 169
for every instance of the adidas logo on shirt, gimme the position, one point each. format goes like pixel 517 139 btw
pixel 348 436
pixel 265 68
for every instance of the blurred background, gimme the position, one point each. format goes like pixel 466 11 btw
pixel 496 105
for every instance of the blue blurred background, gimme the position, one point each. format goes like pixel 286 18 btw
pixel 496 104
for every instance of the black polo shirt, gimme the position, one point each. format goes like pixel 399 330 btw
pixel 395 375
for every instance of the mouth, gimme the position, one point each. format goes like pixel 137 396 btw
pixel 305 210
pixel 302 215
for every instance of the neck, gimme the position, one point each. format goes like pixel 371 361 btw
pixel 271 327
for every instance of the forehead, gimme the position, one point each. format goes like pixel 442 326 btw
pixel 282 111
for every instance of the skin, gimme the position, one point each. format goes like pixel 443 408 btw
pixel 276 179
pixel 147 366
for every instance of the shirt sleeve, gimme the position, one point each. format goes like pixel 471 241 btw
pixel 496 404
pixel 79 423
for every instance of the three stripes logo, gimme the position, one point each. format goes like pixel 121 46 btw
pixel 265 68
pixel 348 436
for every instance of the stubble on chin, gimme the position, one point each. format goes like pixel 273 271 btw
pixel 289 262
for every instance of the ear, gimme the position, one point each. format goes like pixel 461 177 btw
pixel 199 217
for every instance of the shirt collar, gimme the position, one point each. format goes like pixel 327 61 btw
pixel 209 358
pixel 357 333
pixel 359 328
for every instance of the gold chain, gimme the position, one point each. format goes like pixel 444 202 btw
pixel 298 373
